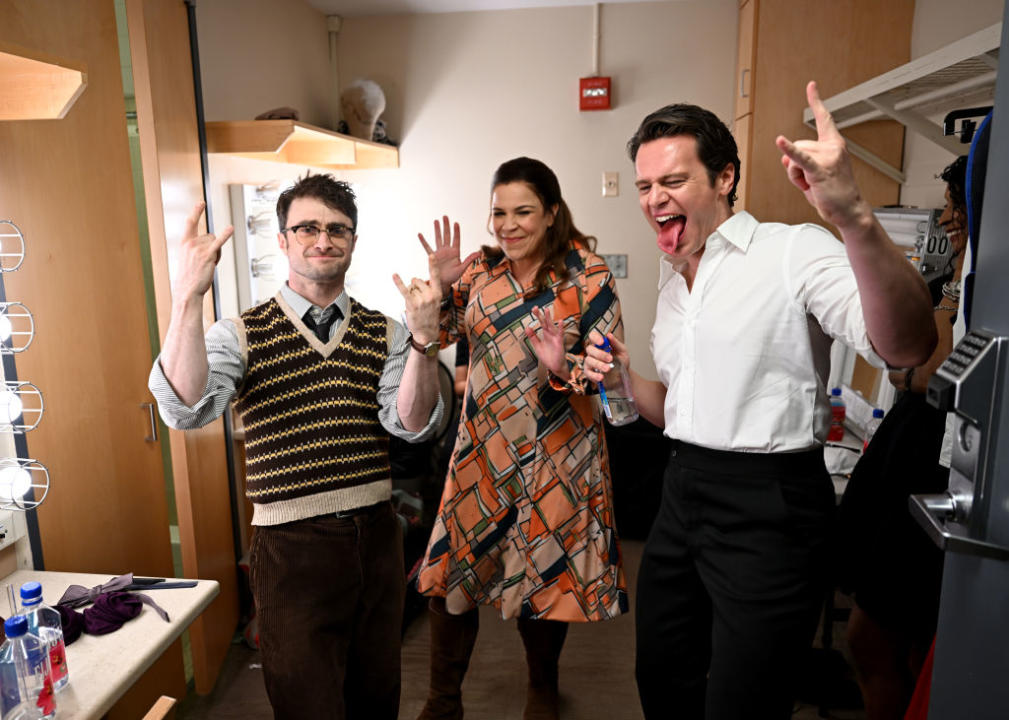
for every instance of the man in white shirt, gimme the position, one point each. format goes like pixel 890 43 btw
pixel 731 580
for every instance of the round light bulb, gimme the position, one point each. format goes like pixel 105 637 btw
pixel 5 328
pixel 11 404
pixel 14 483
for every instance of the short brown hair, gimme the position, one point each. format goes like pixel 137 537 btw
pixel 334 194
pixel 716 147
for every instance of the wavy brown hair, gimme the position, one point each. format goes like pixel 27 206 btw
pixel 561 236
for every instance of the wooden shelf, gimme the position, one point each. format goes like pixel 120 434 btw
pixel 37 86
pixel 960 74
pixel 290 141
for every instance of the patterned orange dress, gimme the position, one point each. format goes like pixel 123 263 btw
pixel 526 518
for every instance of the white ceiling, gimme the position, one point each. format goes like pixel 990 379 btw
pixel 352 8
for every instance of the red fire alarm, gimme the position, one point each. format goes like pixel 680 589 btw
pixel 594 93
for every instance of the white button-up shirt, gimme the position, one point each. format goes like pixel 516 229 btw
pixel 745 354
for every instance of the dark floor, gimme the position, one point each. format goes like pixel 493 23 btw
pixel 495 685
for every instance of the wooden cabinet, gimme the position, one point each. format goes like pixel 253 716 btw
pixel 741 130
pixel 746 44
pixel 782 44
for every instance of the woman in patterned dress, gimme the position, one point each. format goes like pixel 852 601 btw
pixel 526 519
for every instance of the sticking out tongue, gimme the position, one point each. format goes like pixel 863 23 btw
pixel 670 233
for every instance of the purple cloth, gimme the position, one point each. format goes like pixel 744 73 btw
pixel 110 612
pixel 77 595
pixel 72 622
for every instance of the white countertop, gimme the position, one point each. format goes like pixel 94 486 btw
pixel 103 667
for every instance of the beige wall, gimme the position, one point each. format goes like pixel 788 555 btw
pixel 937 23
pixel 256 55
pixel 466 91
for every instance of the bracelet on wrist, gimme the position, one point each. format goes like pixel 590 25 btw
pixel 951 290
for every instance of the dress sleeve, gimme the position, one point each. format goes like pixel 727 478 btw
pixel 592 299
pixel 453 306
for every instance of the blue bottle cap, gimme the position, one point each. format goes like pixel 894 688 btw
pixel 31 591
pixel 605 344
pixel 16 626
pixel 835 391
pixel 877 413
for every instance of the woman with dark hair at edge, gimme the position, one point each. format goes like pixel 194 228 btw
pixel 526 519
pixel 887 563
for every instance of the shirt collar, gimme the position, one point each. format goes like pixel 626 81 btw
pixel 301 305
pixel 738 229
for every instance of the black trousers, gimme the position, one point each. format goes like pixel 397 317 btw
pixel 731 583
pixel 329 595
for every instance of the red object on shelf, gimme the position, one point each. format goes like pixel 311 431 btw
pixel 594 93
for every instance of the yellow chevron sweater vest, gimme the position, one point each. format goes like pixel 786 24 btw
pixel 311 422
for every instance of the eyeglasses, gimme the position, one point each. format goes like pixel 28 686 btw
pixel 308 233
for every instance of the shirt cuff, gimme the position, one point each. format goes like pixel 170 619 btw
pixel 175 413
pixel 434 420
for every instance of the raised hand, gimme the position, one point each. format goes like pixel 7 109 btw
pixel 598 363
pixel 446 253
pixel 821 168
pixel 549 344
pixel 199 255
pixel 423 302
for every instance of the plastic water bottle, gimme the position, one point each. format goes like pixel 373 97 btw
pixel 44 623
pixel 24 674
pixel 872 426
pixel 836 432
pixel 616 398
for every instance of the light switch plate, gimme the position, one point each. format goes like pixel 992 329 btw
pixel 611 184
pixel 617 264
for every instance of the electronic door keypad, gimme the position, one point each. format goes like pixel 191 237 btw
pixel 964 384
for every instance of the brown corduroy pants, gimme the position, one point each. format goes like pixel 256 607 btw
pixel 329 595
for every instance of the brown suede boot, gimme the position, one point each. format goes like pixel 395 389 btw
pixel 452 640
pixel 543 640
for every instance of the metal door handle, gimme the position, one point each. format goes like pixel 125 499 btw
pixel 928 509
pixel 153 437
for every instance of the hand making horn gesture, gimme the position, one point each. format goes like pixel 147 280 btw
pixel 198 255
pixel 821 168
pixel 446 253
pixel 423 302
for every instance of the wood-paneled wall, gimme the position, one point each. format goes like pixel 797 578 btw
pixel 68 184
pixel 173 183
pixel 838 44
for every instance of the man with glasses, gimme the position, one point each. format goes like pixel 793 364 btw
pixel 320 382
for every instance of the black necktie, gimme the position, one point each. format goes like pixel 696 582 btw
pixel 321 329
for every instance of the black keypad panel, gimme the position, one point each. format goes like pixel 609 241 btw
pixel 965 353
